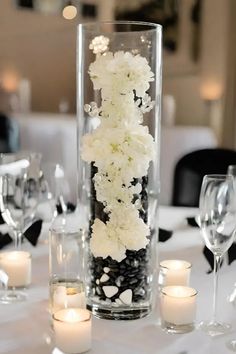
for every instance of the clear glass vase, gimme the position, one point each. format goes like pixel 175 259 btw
pixel 119 68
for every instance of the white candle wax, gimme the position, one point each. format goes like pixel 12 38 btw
pixel 174 272
pixel 17 265
pixel 72 328
pixel 68 297
pixel 178 305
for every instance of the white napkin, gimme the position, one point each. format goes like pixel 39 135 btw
pixel 13 168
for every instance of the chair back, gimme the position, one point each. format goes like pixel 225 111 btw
pixel 191 169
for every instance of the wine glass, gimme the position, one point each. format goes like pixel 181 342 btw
pixel 232 297
pixel 218 224
pixel 19 191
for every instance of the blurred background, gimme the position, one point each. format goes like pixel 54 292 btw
pixel 38 74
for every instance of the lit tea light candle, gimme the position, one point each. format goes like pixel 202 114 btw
pixel 174 272
pixel 17 265
pixel 72 329
pixel 178 308
pixel 68 297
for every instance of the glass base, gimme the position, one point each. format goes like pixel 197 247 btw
pixel 231 345
pixel 214 329
pixel 13 296
pixel 122 313
pixel 58 351
pixel 177 329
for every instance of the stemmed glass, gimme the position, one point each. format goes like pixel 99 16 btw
pixel 218 224
pixel 232 297
pixel 19 191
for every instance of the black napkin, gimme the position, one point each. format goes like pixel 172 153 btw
pixel 210 258
pixel 1 220
pixel 164 235
pixel 192 222
pixel 232 253
pixel 31 234
pixel 5 239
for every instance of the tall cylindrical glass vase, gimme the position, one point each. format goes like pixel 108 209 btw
pixel 119 94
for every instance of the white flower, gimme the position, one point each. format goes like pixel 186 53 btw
pixel 99 44
pixel 113 190
pixel 120 110
pixel 126 225
pixel 129 150
pixel 103 245
pixel 125 230
pixel 121 73
pixel 98 71
pixel 145 104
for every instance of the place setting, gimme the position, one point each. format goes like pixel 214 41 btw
pixel 23 193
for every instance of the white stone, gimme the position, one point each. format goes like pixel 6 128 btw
pixel 118 301
pixel 97 281
pixel 110 290
pixel 106 269
pixel 126 296
pixel 104 278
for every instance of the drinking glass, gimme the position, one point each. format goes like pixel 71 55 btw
pixel 232 297
pixel 218 224
pixel 15 275
pixel 19 191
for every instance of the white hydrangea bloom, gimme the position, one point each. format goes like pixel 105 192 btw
pixel 120 110
pixel 98 71
pixel 121 73
pixel 126 149
pixel 112 190
pixel 126 226
pixel 125 230
pixel 103 245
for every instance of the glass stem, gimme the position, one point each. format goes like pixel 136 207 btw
pixel 217 260
pixel 18 239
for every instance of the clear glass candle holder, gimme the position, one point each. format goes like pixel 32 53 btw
pixel 66 264
pixel 178 309
pixel 72 330
pixel 174 272
pixel 16 266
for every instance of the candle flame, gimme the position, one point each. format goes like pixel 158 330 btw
pixel 72 316
pixel 71 291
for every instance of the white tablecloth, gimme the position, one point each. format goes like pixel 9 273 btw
pixel 24 327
